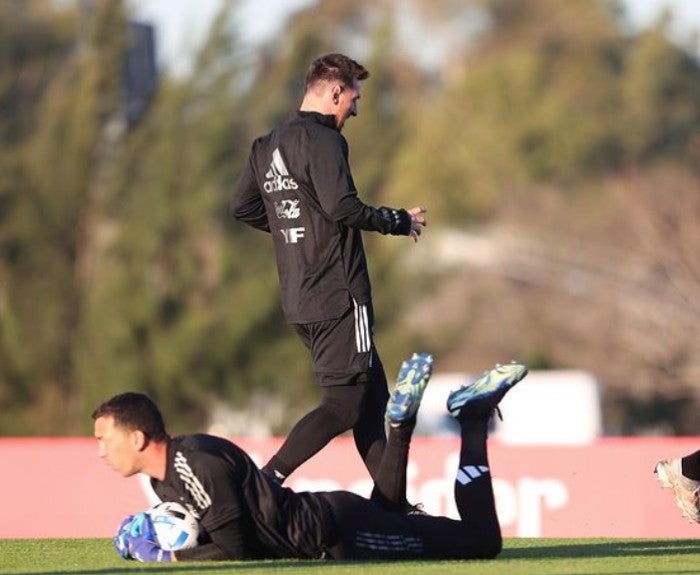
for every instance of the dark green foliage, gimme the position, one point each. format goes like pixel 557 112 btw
pixel 119 267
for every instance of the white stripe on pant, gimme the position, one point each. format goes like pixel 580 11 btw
pixel 363 336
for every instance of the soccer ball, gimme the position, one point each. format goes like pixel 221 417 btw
pixel 175 527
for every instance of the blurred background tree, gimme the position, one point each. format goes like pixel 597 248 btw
pixel 557 156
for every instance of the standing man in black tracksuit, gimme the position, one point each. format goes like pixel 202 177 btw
pixel 298 187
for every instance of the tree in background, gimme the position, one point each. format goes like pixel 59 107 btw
pixel 49 199
pixel 119 267
pixel 660 94
pixel 539 122
pixel 34 36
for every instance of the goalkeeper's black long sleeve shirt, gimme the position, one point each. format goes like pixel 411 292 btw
pixel 297 186
pixel 243 514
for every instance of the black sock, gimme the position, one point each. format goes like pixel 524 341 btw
pixel 690 466
pixel 390 484
pixel 473 488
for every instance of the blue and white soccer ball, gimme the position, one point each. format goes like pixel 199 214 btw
pixel 175 527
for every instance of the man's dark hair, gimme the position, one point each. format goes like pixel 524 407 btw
pixel 134 411
pixel 335 67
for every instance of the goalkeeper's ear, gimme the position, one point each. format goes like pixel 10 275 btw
pixel 139 440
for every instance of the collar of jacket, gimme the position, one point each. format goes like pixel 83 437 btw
pixel 326 120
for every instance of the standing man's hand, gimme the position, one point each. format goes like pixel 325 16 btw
pixel 417 221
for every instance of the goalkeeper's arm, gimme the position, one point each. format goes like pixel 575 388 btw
pixel 225 543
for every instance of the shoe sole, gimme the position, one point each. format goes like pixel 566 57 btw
pixel 662 475
pixel 667 478
pixel 410 387
pixel 508 375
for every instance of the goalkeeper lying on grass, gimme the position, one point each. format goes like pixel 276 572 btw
pixel 245 515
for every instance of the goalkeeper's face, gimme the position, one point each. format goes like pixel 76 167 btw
pixel 118 446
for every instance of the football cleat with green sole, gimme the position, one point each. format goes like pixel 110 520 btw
pixel 481 397
pixel 414 375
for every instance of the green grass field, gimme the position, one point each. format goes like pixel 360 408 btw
pixel 519 557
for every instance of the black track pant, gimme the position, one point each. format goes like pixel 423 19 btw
pixel 351 375
pixel 359 406
pixel 364 529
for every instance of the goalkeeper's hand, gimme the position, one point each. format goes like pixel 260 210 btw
pixel 121 539
pixel 142 526
pixel 145 550
pixel 133 526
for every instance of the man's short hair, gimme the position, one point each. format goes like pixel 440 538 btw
pixel 136 412
pixel 335 67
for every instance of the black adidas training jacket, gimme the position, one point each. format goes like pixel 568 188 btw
pixel 298 187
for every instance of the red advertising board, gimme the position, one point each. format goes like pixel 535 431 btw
pixel 60 488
